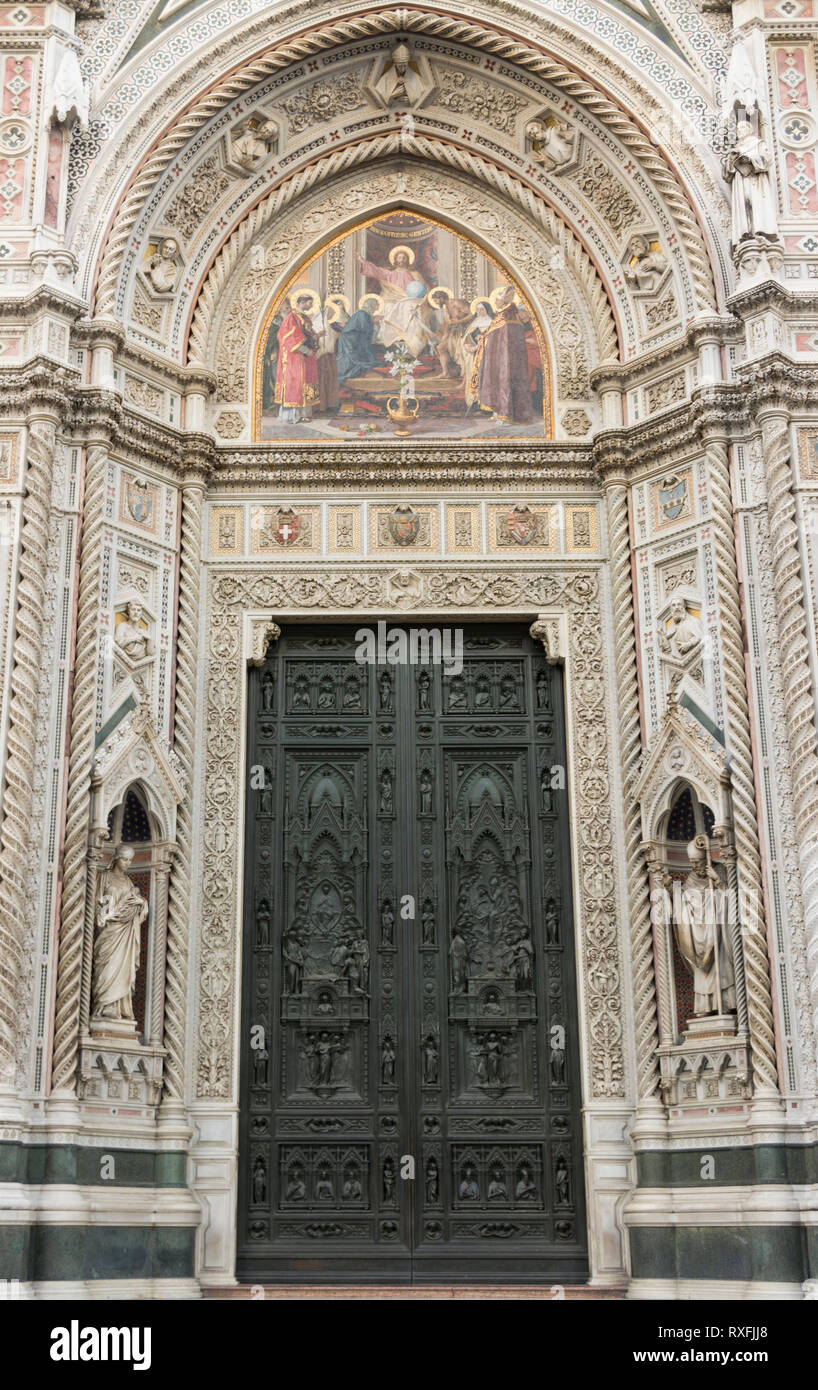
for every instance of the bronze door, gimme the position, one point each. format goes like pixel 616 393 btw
pixel 410 1072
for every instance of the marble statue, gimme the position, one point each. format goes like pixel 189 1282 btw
pixel 120 912
pixel 747 167
pixel 698 910
pixel 70 94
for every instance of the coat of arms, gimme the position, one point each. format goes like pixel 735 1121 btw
pixel 521 523
pixel 285 526
pixel 672 496
pixel 404 523
pixel 139 500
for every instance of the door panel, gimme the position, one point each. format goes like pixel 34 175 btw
pixel 408 985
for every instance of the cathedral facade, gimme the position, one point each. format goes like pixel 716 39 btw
pixel 408 667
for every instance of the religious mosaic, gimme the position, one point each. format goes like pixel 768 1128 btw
pixel 401 327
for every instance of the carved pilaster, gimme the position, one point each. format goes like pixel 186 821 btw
pixel 187 649
pixel 795 670
pixel 15 861
pixel 753 934
pixel 630 750
pixel 72 935
pixel 162 869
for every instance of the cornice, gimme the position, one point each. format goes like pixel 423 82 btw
pixel 726 410
pixel 771 294
pixel 44 297
pixel 420 462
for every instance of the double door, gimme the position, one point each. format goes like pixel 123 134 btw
pixel 410 1065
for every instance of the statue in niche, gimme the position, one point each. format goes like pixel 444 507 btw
pixel 482 693
pixel 120 912
pixel 386 793
pixel 646 266
pixel 161 269
pixel 130 635
pixel 267 692
pixel 260 1059
pixel 432 1181
pixel 388 1061
pixel 526 1187
pixel 424 686
pixel 425 792
pixel 428 924
pixel 508 693
pixel 549 142
pixel 545 791
pixel 301 693
pixel 292 950
pixel 296 1187
pixel 747 167
pixel 388 1180
pixel 556 1063
pixel 457 693
pixel 326 693
pixel 252 143
pixel 387 924
pixel 561 1181
pixel 543 691
pixel 324 1188
pixel 699 912
pixel 431 1060
pixel 497 1189
pixel 523 961
pixel 552 923
pixel 361 952
pixel 352 693
pixel 263 923
pixel 385 692
pixel 468 1190
pixel 459 953
pixel 259 1182
pixel 351 1190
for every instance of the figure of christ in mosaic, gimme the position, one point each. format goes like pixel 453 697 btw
pixel 401 308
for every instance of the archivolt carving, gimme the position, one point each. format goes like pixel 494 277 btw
pixel 520 53
pixel 353 591
pixel 435 191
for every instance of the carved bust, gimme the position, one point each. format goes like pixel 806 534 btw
pixel 130 635
pixel 646 266
pixel 252 142
pixel 161 269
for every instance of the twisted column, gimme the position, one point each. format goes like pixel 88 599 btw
pixel 187 652
pixel 15 860
pixel 630 751
pixel 745 825
pixel 795 670
pixel 72 937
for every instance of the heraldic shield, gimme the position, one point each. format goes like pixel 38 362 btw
pixel 403 525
